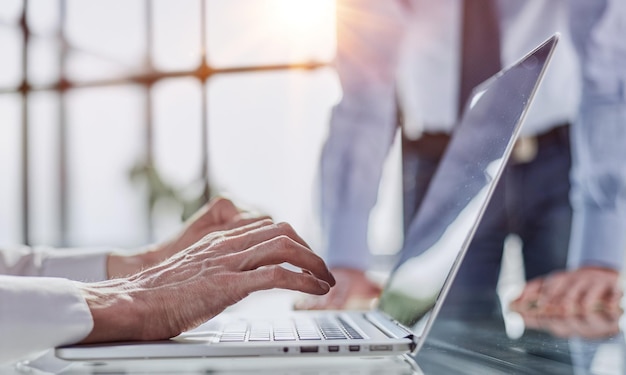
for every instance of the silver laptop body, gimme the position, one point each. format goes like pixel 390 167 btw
pixel 436 242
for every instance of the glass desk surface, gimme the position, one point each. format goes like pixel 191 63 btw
pixel 490 346
pixel 498 345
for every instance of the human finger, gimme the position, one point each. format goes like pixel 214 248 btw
pixel 222 209
pixel 569 302
pixel 246 237
pixel 275 276
pixel 233 236
pixel 339 299
pixel 611 304
pixel 224 213
pixel 318 302
pixel 594 296
pixel 216 211
pixel 241 222
pixel 283 249
pixel 529 296
pixel 596 325
pixel 552 290
pixel 246 229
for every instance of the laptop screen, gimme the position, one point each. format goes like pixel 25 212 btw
pixel 440 233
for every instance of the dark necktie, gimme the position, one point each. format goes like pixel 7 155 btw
pixel 480 49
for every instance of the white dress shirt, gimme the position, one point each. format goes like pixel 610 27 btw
pixel 428 70
pixel 40 307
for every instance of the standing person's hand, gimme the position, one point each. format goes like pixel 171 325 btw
pixel 592 325
pixel 199 282
pixel 219 214
pixel 354 290
pixel 580 291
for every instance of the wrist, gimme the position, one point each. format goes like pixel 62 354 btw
pixel 116 314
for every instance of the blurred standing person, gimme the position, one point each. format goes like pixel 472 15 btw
pixel 409 54
pixel 599 174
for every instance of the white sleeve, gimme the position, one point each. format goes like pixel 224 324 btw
pixel 39 313
pixel 75 264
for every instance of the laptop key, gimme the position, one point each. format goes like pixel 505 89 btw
pixel 259 338
pixel 232 338
pixel 284 338
pixel 305 338
pixel 283 331
pixel 352 333
pixel 307 330
pixel 330 329
pixel 260 331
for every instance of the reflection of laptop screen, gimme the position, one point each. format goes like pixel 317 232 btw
pixel 435 244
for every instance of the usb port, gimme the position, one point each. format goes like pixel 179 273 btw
pixel 354 348
pixel 380 348
pixel 309 349
pixel 333 348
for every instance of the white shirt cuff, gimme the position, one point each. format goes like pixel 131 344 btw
pixel 38 314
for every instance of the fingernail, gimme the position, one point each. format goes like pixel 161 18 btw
pixel 332 278
pixel 324 285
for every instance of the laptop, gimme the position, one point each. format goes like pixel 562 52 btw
pixel 436 242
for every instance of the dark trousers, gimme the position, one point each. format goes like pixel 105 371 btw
pixel 530 200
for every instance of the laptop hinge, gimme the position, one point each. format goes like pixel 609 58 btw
pixel 389 326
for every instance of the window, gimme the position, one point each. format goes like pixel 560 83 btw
pixel 119 117
pixel 116 112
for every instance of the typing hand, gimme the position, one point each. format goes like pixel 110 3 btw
pixel 353 291
pixel 219 214
pixel 569 293
pixel 199 282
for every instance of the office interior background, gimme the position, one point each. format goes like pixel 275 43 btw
pixel 120 117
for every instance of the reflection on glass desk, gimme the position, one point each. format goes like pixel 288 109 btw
pixel 489 346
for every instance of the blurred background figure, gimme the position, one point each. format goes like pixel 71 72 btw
pixel 405 62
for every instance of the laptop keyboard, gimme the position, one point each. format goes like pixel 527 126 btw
pixel 300 329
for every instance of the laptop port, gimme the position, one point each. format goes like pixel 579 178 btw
pixel 380 348
pixel 354 348
pixel 309 349
pixel 333 348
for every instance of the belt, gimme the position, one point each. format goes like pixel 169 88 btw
pixel 526 149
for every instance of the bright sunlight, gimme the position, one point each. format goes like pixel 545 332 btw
pixel 271 31
pixel 303 17
pixel 305 22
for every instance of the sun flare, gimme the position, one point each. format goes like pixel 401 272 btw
pixel 303 17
